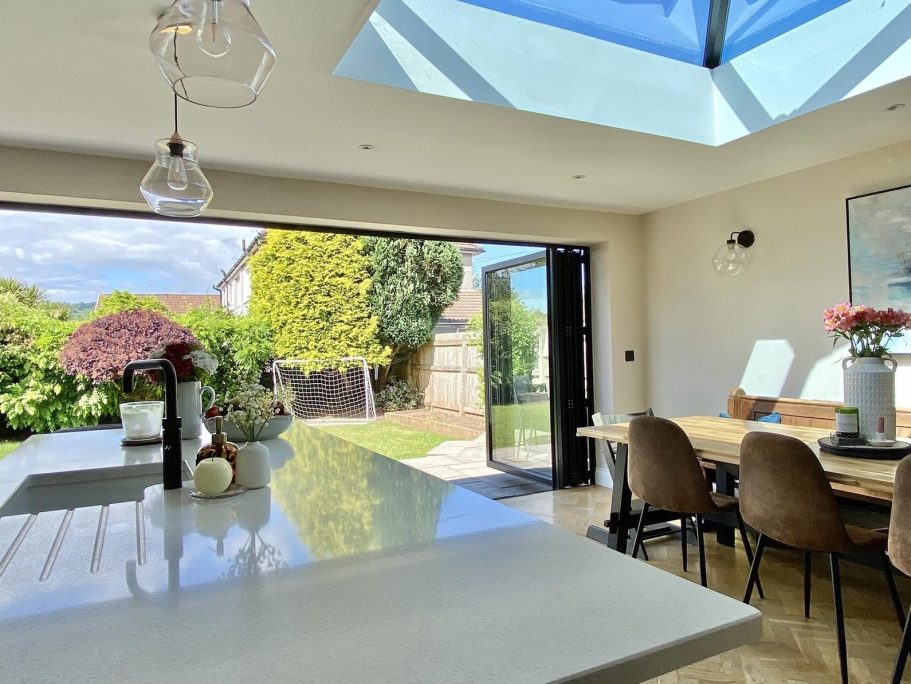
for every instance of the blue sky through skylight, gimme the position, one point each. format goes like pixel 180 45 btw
pixel 754 22
pixel 671 28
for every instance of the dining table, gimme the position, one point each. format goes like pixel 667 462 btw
pixel 716 442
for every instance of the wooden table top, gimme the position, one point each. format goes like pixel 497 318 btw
pixel 718 440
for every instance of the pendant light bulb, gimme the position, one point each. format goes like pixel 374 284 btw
pixel 177 168
pixel 213 52
pixel 175 185
pixel 213 36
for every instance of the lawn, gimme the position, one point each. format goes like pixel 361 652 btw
pixel 387 438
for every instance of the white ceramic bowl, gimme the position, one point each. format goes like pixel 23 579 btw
pixel 141 419
pixel 275 426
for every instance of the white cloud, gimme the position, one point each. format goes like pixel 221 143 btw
pixel 75 257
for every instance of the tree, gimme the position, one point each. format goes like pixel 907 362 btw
pixel 22 292
pixel 413 281
pixel 313 289
pixel 121 300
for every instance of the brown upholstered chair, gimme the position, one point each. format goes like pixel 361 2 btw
pixel 664 472
pixel 900 549
pixel 785 496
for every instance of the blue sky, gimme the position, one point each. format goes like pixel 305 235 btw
pixel 75 257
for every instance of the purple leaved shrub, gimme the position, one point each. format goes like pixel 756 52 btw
pixel 100 349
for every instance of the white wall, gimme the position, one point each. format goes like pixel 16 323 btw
pixel 703 329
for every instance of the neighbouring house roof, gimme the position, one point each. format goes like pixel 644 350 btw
pixel 467 305
pixel 246 253
pixel 177 303
pixel 469 248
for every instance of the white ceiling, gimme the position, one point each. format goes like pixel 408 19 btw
pixel 78 76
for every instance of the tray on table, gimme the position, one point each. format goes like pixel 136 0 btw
pixel 894 452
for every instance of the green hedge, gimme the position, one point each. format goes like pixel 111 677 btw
pixel 241 344
pixel 35 393
pixel 313 290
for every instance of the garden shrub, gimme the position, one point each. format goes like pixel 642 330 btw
pixel 412 282
pixel 36 394
pixel 121 300
pixel 312 289
pixel 242 345
pixel 399 395
pixel 100 349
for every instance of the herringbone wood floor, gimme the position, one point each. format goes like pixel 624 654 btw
pixel 792 649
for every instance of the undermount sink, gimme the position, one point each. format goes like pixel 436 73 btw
pixel 73 489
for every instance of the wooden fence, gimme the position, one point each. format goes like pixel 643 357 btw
pixel 448 370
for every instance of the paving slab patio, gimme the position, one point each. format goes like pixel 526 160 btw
pixel 464 463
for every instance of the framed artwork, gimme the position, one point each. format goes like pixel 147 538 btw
pixel 879 252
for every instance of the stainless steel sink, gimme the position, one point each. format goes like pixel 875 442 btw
pixel 66 491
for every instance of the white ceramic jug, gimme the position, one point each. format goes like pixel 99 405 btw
pixel 191 406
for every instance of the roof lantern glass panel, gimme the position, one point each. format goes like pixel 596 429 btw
pixel 754 22
pixel 671 28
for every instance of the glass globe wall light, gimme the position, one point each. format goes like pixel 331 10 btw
pixel 213 53
pixel 731 258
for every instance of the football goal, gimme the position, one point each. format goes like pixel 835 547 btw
pixel 326 389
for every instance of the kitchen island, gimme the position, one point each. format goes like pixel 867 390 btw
pixel 349 567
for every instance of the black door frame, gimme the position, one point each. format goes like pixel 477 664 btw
pixel 569 363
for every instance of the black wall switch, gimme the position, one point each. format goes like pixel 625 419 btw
pixel 630 355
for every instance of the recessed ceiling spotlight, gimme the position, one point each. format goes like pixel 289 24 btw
pixel 895 107
pixel 366 147
pixel 580 176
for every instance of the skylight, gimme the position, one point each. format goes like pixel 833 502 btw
pixel 671 28
pixel 639 65
pixel 691 31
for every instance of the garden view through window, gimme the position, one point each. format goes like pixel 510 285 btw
pixel 409 311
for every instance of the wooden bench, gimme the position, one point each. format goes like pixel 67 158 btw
pixel 805 412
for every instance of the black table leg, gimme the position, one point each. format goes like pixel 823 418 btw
pixel 620 502
pixel 724 484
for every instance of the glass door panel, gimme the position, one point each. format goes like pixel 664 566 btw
pixel 517 367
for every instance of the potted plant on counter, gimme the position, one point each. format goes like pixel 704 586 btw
pixel 869 382
pixel 251 416
pixel 193 366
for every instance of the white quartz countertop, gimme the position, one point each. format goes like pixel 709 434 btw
pixel 349 567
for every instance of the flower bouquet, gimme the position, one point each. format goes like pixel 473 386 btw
pixel 869 331
pixel 253 415
pixel 191 362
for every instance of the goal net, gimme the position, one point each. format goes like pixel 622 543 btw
pixel 326 389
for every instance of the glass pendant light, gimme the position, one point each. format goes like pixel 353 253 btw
pixel 175 185
pixel 213 52
pixel 731 258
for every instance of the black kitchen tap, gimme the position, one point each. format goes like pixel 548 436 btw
pixel 171 458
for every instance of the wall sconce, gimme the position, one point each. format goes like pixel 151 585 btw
pixel 731 258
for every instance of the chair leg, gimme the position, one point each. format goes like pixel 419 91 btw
pixel 700 540
pixel 683 540
pixel 749 551
pixel 644 551
pixel 807 579
pixel 902 657
pixel 893 590
pixel 754 568
pixel 639 527
pixel 839 618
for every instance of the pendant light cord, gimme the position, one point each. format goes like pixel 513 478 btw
pixel 175 113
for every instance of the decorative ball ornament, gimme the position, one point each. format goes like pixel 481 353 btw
pixel 213 476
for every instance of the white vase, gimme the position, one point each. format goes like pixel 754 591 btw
pixel 870 387
pixel 253 467
pixel 191 406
